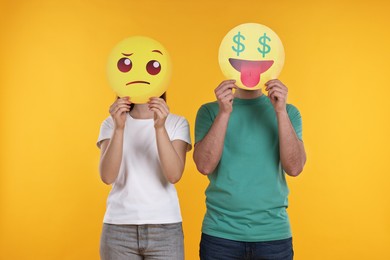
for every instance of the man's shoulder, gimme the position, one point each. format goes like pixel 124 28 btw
pixel 291 108
pixel 293 113
pixel 210 106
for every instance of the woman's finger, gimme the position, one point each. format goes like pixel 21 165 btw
pixel 117 108
pixel 160 103
pixel 119 101
pixel 160 107
pixel 121 110
pixel 157 112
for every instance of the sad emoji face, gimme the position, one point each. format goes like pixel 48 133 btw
pixel 139 67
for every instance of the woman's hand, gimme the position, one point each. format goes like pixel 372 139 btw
pixel 161 111
pixel 118 111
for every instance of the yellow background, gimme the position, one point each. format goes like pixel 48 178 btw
pixel 54 95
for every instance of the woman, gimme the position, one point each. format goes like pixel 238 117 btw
pixel 143 152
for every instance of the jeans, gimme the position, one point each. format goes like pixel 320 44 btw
pixel 136 242
pixel 214 248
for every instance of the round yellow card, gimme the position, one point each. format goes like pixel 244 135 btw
pixel 139 67
pixel 251 54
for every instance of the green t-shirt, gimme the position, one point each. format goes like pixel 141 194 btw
pixel 247 196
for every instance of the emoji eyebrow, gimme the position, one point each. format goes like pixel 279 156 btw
pixel 157 51
pixel 127 54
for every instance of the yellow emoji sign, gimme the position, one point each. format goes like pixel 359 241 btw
pixel 139 67
pixel 251 54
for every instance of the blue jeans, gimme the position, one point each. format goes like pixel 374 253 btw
pixel 138 242
pixel 215 248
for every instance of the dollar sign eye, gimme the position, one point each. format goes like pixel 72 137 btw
pixel 124 65
pixel 240 47
pixel 153 67
pixel 265 47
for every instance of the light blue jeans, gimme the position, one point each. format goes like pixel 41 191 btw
pixel 136 242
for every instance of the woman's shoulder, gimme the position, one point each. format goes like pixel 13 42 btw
pixel 174 119
pixel 108 122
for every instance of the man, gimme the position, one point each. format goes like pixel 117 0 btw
pixel 245 143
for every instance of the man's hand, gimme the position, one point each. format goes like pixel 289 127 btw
pixel 224 95
pixel 277 93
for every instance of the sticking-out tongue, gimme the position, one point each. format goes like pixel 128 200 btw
pixel 250 75
pixel 251 70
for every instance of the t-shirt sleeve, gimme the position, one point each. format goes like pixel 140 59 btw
pixel 182 132
pixel 296 120
pixel 203 123
pixel 106 129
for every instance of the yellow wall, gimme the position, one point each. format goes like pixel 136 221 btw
pixel 54 95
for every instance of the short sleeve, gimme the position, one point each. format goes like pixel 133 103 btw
pixel 106 129
pixel 203 123
pixel 182 132
pixel 296 120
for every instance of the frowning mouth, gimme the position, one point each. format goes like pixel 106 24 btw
pixel 138 81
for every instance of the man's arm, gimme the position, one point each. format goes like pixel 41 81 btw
pixel 208 151
pixel 292 150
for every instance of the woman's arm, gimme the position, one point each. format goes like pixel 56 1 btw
pixel 112 149
pixel 172 154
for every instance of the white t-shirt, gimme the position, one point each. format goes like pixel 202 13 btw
pixel 141 194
